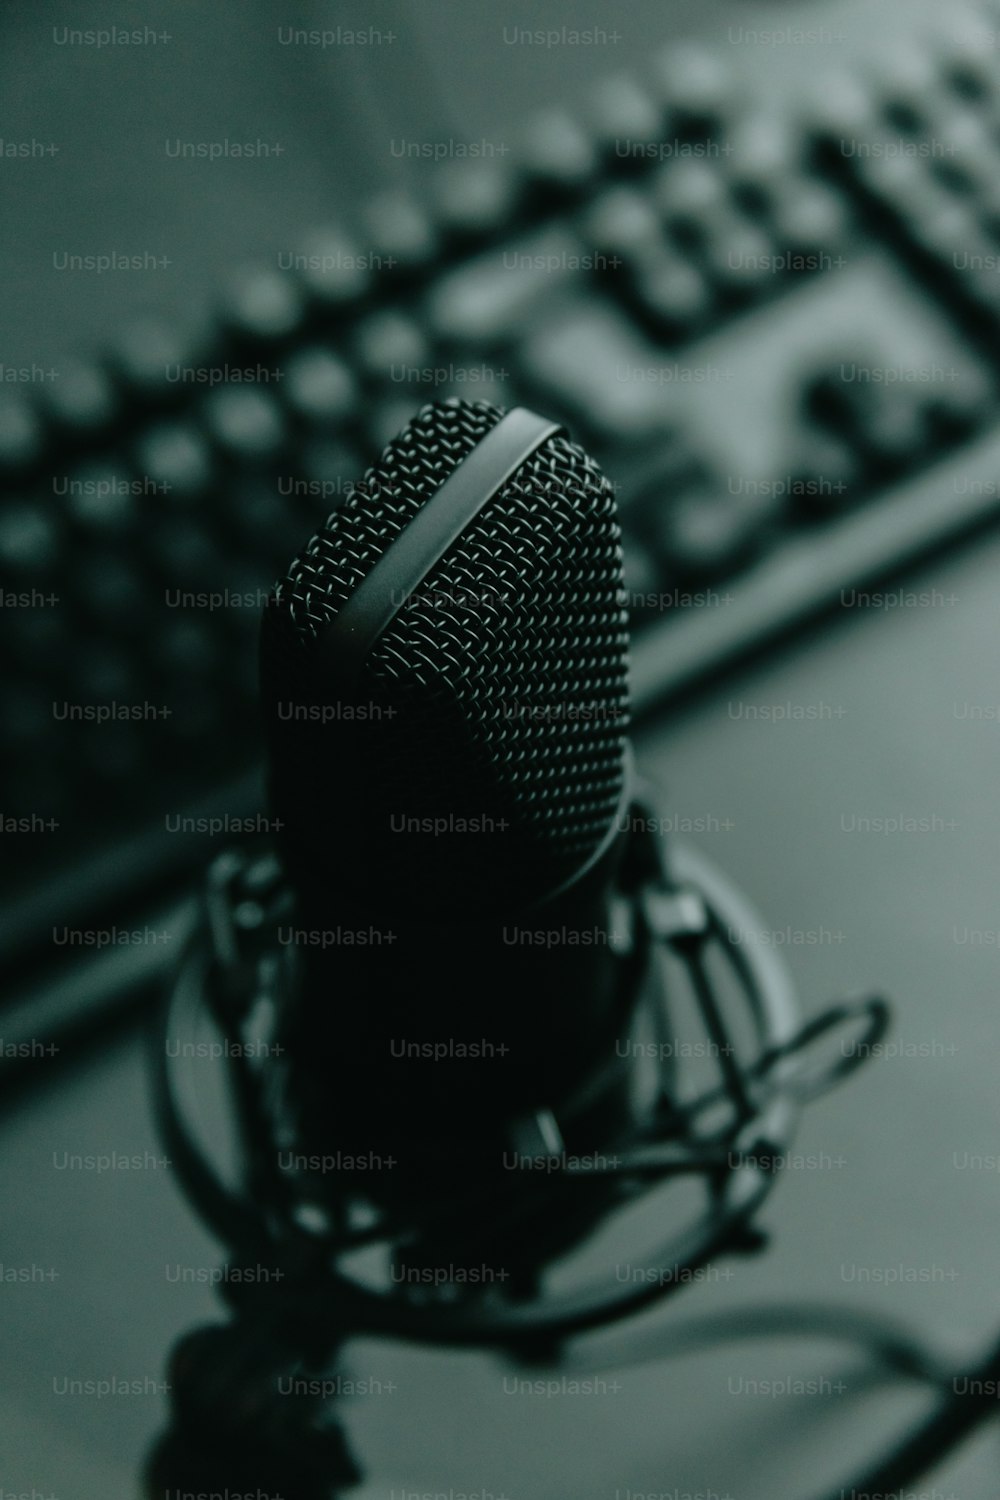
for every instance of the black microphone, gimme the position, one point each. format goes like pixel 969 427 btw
pixel 425 996
pixel 444 689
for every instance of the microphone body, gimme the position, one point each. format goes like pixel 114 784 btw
pixel 449 777
pixel 438 1034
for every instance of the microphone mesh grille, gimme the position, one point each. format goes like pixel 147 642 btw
pixel 498 694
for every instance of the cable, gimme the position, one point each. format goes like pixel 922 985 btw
pixel 952 1422
pixel 886 1339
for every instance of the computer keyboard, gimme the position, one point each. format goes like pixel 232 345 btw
pixel 774 326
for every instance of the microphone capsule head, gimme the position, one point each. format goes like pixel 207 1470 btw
pixel 474 761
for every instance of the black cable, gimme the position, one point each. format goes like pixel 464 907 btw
pixel 955 1418
pixel 887 1340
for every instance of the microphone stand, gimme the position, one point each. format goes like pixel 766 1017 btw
pixel 228 1427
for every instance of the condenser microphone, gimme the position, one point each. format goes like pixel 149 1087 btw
pixel 444 688
pixel 434 995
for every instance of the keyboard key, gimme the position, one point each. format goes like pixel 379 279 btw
pixel 886 424
pixel 558 153
pixel 388 344
pixel 319 387
pixel 765 152
pixel 685 192
pixel 696 86
pixel 826 474
pixel 959 407
pixel 908 86
pixel 402 233
pixel 621 223
pixel 945 223
pixel 336 272
pixel 153 359
pixel 893 429
pixel 245 422
pixel 474 199
pixel 175 457
pixel 99 499
pixel 625 120
pixel 667 468
pixel 264 306
pixel 29 541
pixel 589 361
pixel 841 112
pixel 968 66
pixel 672 293
pixel 738 256
pixel 83 401
pixel 20 435
pixel 898 182
pixel 970 153
pixel 808 218
pixel 490 300
pixel 708 533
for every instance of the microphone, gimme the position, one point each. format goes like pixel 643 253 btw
pixel 469 955
pixel 460 618
pixel 444 688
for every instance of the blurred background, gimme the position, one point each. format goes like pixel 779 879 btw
pixel 751 255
